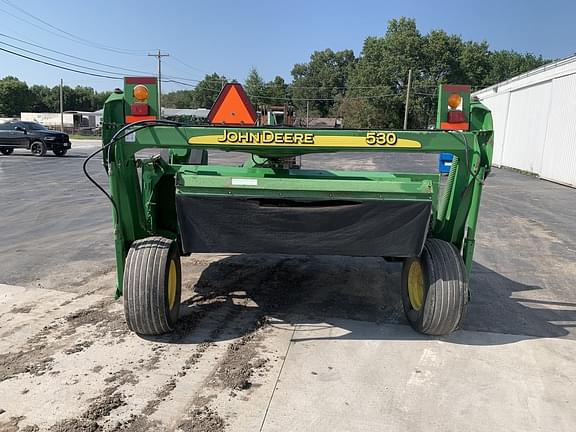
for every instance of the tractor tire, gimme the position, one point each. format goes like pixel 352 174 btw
pixel 6 151
pixel 435 289
pixel 38 148
pixel 152 286
pixel 59 151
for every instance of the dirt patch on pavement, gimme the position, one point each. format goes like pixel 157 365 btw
pixel 138 423
pixel 195 357
pixel 203 419
pixel 79 347
pixel 103 406
pixel 122 377
pixel 239 364
pixel 99 316
pixel 160 396
pixel 34 362
pixel 52 338
pixel 76 425
pixel 12 424
pixel 21 310
pixel 100 408
pixel 153 361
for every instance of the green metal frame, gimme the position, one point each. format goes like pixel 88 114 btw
pixel 146 203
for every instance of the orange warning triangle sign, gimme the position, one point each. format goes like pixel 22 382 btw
pixel 232 108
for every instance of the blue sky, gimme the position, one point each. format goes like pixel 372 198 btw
pixel 229 37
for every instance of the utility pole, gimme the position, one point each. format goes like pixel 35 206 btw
pixel 61 105
pixel 159 56
pixel 407 99
pixel 307 111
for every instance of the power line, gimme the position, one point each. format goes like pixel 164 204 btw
pixel 183 63
pixel 59 60
pixel 117 77
pixel 185 82
pixel 82 66
pixel 296 99
pixel 58 66
pixel 82 59
pixel 177 82
pixel 66 35
pixel 70 55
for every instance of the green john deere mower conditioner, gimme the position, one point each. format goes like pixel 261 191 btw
pixel 176 203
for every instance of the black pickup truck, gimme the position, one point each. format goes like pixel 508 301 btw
pixel 32 136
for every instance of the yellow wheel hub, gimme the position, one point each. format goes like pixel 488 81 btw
pixel 416 285
pixel 172 284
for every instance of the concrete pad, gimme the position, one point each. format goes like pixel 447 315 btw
pixel 69 357
pixel 86 143
pixel 358 376
pixel 511 370
pixel 24 311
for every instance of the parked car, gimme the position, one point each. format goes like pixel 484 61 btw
pixel 32 136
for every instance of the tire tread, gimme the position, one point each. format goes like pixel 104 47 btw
pixel 446 295
pixel 144 286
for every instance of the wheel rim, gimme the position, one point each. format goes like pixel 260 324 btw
pixel 36 149
pixel 416 285
pixel 172 284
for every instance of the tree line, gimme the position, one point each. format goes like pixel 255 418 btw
pixel 367 90
pixel 16 97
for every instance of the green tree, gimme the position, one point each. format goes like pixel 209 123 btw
pixel 475 63
pixel 40 98
pixel 14 96
pixel 100 98
pixel 507 64
pixel 279 93
pixel 255 88
pixel 377 86
pixel 79 98
pixel 441 55
pixel 179 99
pixel 380 77
pixel 207 90
pixel 321 80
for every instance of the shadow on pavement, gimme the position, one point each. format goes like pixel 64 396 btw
pixel 330 290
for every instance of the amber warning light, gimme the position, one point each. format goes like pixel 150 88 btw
pixel 141 93
pixel 455 101
pixel 141 98
pixel 455 117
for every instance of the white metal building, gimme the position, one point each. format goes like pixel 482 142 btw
pixel 73 120
pixel 50 120
pixel 535 121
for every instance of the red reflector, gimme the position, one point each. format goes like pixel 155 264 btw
pixel 139 109
pixel 143 80
pixel 456 117
pixel 454 126
pixel 133 119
